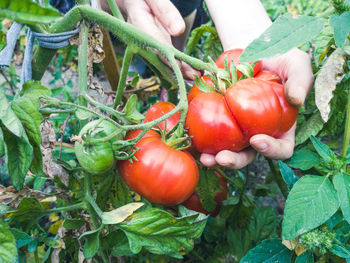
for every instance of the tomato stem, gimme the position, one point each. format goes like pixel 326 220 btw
pixel 66 208
pixel 346 140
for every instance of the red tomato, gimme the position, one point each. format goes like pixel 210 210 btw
pixel 194 203
pixel 233 55
pixel 161 174
pixel 268 75
pixel 212 125
pixel 133 134
pixel 158 110
pixel 195 90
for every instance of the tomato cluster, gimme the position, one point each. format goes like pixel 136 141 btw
pixel 248 107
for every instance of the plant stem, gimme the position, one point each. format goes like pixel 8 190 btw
pixel 115 9
pixel 82 62
pixel 278 179
pixel 346 140
pixel 65 208
pixel 123 74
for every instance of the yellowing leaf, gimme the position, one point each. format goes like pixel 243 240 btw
pixel 290 244
pixel 299 249
pixel 118 215
pixel 328 77
pixel 54 227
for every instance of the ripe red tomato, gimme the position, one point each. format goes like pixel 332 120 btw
pixel 194 203
pixel 268 75
pixel 158 110
pixel 161 174
pixel 211 125
pixel 249 107
pixel 233 55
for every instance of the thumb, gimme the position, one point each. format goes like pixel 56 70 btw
pixel 168 16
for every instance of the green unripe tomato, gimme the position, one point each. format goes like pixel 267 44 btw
pixel 97 158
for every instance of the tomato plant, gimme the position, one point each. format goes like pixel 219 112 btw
pixel 96 158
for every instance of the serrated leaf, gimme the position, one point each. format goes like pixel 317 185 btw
pixel 287 32
pixel 196 35
pixel 207 187
pixel 311 127
pixel 161 233
pixel 118 243
pixel 288 175
pixel 327 78
pixel 310 203
pixel 26 12
pixel 269 251
pixel 8 250
pixel 118 215
pixel 342 184
pixel 323 150
pixel 73 223
pixel 120 194
pixel 8 117
pixel 34 89
pixel 92 244
pixel 203 85
pixel 306 257
pixel 18 157
pixel 304 159
pixel 341 27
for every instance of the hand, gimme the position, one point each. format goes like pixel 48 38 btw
pixel 158 18
pixel 294 68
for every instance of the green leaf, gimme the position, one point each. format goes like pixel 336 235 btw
pixel 288 175
pixel 207 187
pixel 73 223
pixel 2 144
pixel 285 33
pixel 341 27
pixel 120 194
pixel 311 127
pixel 22 238
pixel 269 251
pixel 4 209
pixel 310 203
pixel 92 244
pixel 8 250
pixel 306 257
pixel 342 184
pixel 118 215
pixel 342 251
pixel 118 243
pixel 26 12
pixel 161 233
pixel 34 89
pixel 262 224
pixel 196 35
pixel 18 157
pixel 323 150
pixel 83 114
pixel 131 112
pixel 29 211
pixel 304 159
pixel 8 117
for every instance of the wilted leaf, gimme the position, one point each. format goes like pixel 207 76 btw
pixel 118 215
pixel 311 127
pixel 329 75
pixel 8 117
pixel 208 186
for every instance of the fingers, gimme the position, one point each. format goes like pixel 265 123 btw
pixel 281 148
pixel 208 159
pixel 168 16
pixel 188 71
pixel 295 69
pixel 300 78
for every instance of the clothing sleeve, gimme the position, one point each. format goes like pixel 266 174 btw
pixel 63 5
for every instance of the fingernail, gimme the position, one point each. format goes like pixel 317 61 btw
pixel 296 96
pixel 175 28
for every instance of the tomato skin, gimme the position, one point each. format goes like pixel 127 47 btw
pixel 194 203
pixel 233 55
pixel 134 133
pixel 269 76
pixel 158 109
pixel 212 126
pixel 97 158
pixel 196 91
pixel 161 174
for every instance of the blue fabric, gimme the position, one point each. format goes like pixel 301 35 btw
pixel 63 5
pixel 6 53
pixel 186 7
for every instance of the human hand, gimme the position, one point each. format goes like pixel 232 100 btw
pixel 294 68
pixel 158 18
